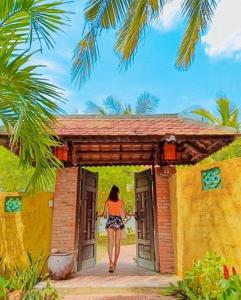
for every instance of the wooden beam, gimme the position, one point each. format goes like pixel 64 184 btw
pixel 111 152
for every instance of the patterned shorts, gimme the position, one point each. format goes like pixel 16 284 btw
pixel 115 222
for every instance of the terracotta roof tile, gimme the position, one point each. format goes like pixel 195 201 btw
pixel 79 125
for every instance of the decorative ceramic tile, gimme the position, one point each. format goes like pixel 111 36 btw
pixel 13 204
pixel 211 179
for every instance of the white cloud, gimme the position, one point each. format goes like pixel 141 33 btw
pixel 50 65
pixel 224 36
pixel 169 17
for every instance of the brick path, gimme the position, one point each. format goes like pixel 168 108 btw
pixel 128 282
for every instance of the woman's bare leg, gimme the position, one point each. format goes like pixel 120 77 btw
pixel 117 245
pixel 110 244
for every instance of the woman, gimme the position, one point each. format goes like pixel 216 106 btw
pixel 115 212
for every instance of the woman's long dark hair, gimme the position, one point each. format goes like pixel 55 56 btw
pixel 113 196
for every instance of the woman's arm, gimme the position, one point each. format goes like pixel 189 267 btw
pixel 104 212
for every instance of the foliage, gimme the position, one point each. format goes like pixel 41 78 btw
pixel 231 288
pixel 228 115
pixel 25 279
pixel 202 281
pixel 28 103
pixel 146 103
pixel 130 18
pixel 3 287
pixel 46 293
pixel 233 150
pixel 12 177
pixel 120 176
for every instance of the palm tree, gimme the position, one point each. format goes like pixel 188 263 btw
pixel 130 18
pixel 228 114
pixel 28 103
pixel 146 103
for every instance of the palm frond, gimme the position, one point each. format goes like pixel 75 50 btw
pixel 127 110
pixel 92 108
pixel 146 103
pixel 28 109
pixel 85 57
pixel 106 13
pixel 198 14
pixel 206 115
pixel 133 28
pixel 113 106
pixel 29 20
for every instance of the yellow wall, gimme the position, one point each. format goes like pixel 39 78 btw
pixel 29 230
pixel 206 220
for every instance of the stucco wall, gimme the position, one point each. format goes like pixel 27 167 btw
pixel 206 220
pixel 29 230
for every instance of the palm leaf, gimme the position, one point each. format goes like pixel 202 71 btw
pixel 206 115
pixel 85 57
pixel 106 13
pixel 127 110
pixel 92 108
pixel 27 20
pixel 132 30
pixel 229 113
pixel 146 103
pixel 198 14
pixel 113 106
pixel 28 109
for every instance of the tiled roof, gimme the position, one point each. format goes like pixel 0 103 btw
pixel 158 125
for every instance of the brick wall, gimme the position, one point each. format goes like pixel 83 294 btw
pixel 64 213
pixel 164 226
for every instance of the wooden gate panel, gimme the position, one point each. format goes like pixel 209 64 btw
pixel 87 223
pixel 145 223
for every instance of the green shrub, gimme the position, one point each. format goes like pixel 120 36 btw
pixel 202 281
pixel 25 279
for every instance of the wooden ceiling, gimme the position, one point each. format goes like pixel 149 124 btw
pixel 106 151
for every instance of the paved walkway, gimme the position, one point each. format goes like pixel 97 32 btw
pixel 129 281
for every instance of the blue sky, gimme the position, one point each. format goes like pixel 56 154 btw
pixel 215 72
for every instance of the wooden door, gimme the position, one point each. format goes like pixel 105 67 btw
pixel 87 222
pixel 145 248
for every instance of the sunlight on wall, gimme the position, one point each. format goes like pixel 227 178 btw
pixel 28 230
pixel 206 220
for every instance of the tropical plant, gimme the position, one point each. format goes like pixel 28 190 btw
pixel 203 281
pixel 130 18
pixel 46 293
pixel 228 115
pixel 231 286
pixel 146 103
pixel 26 278
pixel 28 103
pixel 23 279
